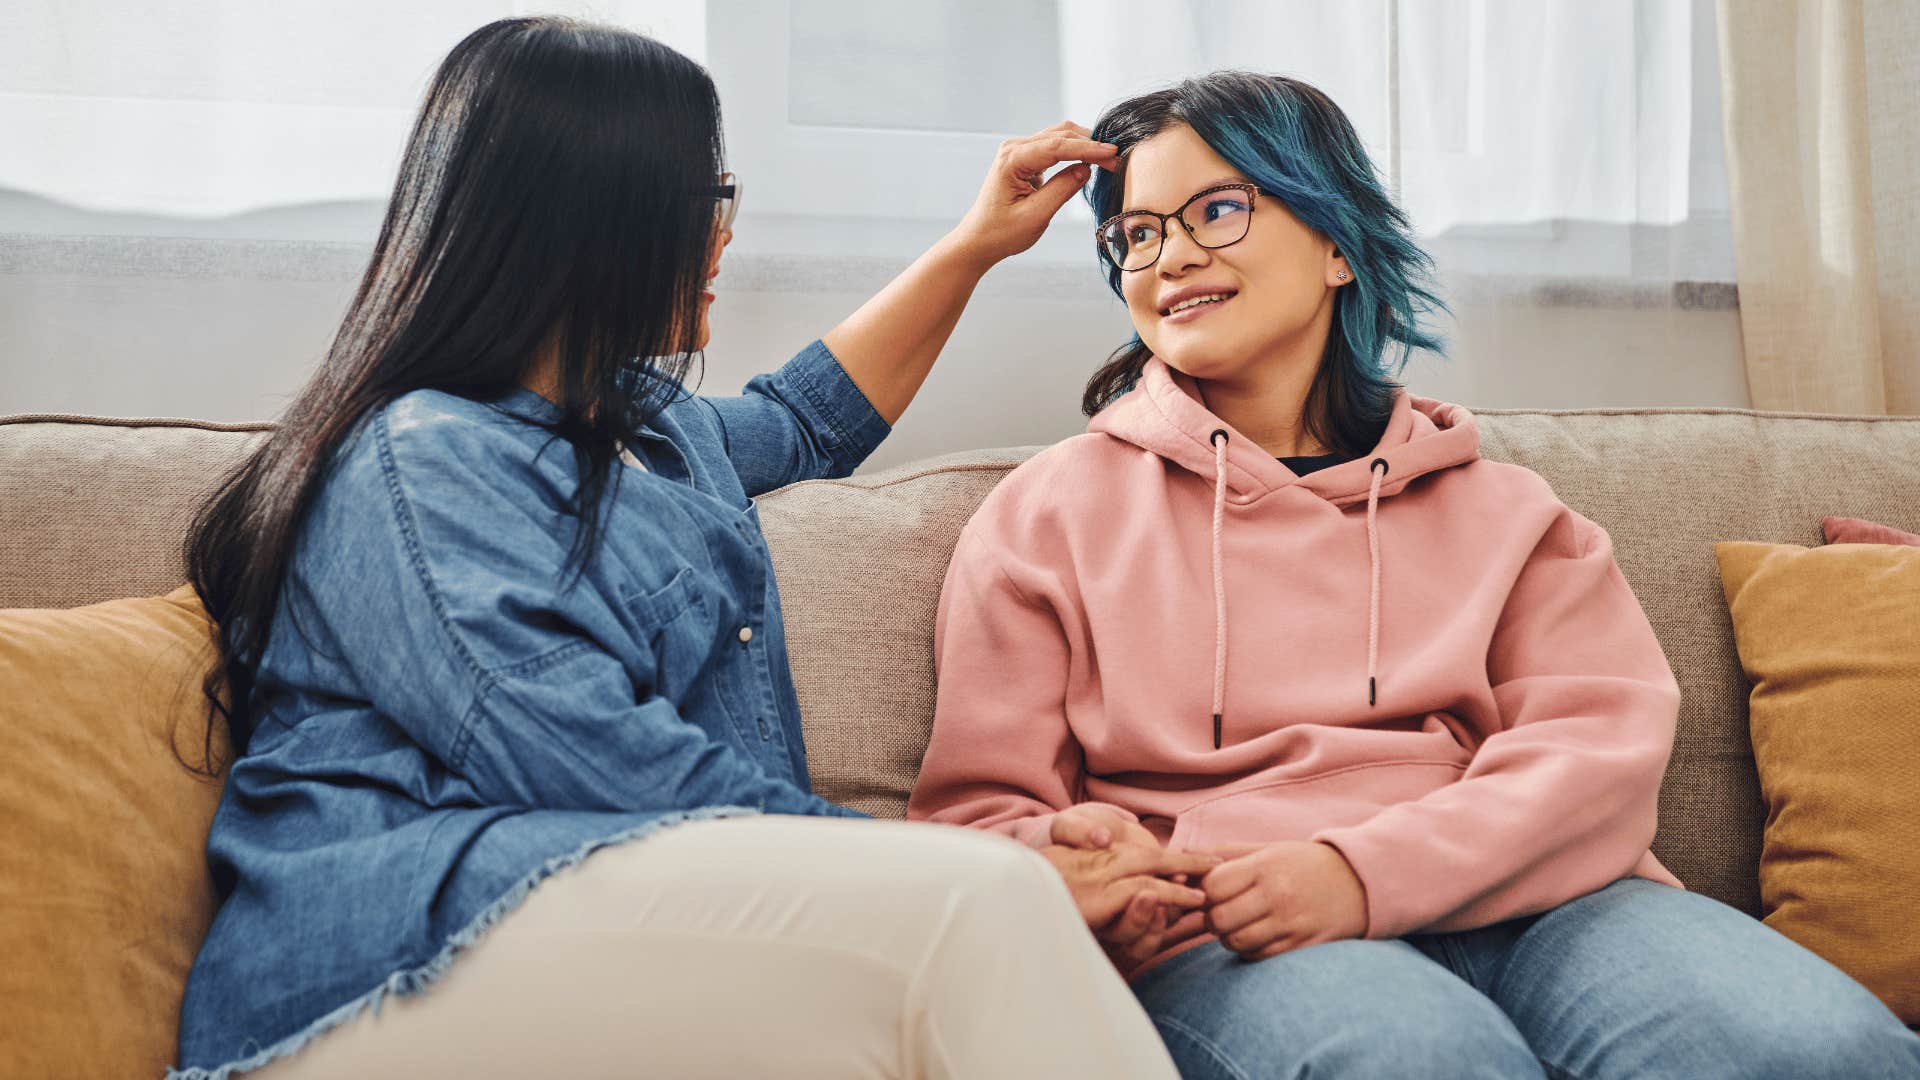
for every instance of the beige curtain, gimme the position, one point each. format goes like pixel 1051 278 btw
pixel 1822 102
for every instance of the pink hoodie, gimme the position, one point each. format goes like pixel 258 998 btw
pixel 1420 657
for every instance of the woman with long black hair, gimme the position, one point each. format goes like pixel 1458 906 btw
pixel 493 605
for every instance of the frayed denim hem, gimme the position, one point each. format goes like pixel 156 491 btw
pixel 413 980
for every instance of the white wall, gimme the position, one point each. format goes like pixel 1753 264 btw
pixel 213 333
pixel 1014 371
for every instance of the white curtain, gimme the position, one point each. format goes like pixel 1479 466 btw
pixel 1509 111
pixel 1823 145
pixel 1560 158
pixel 212 107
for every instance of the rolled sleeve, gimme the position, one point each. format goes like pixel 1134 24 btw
pixel 806 421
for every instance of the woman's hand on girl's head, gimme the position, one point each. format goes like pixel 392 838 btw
pixel 1267 899
pixel 1014 204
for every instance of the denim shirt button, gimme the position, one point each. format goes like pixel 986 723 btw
pixel 746 634
pixel 766 732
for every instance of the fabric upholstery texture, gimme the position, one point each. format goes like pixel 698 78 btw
pixel 92 509
pixel 95 509
pixel 104 892
pixel 1830 638
pixel 861 561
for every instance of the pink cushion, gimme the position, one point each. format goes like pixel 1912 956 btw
pixel 1842 530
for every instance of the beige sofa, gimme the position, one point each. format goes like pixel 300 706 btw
pixel 92 509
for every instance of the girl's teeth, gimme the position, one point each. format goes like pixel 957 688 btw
pixel 1196 302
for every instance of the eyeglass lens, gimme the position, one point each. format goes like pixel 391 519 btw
pixel 1214 219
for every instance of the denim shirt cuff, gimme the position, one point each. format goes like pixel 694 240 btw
pixel 842 418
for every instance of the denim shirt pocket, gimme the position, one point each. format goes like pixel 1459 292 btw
pixel 676 622
pixel 659 608
pixel 683 623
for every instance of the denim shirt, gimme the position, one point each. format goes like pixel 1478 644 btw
pixel 442 721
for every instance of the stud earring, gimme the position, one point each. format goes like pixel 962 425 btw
pixel 1341 274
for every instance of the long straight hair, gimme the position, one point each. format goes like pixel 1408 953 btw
pixel 554 199
pixel 1295 143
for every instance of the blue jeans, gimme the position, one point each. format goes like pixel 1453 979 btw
pixel 1635 980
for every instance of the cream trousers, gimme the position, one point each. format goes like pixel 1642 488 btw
pixel 771 947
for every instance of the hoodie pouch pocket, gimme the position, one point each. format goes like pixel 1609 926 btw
pixel 1299 807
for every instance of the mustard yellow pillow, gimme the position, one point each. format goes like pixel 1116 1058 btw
pixel 104 893
pixel 1830 640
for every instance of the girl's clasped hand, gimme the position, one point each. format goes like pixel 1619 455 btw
pixel 1140 897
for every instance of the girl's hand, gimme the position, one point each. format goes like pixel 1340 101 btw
pixel 1272 898
pixel 1104 881
pixel 1014 206
pixel 1097 825
pixel 1135 917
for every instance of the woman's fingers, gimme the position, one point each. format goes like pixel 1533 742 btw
pixel 1194 864
pixel 1142 948
pixel 1135 919
pixel 1030 159
pixel 1135 860
pixel 1017 200
pixel 1191 925
pixel 1165 892
pixel 1131 856
pixel 1061 189
pixel 1101 889
pixel 1064 127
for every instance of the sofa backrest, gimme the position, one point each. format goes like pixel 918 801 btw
pixel 93 509
pixel 860 563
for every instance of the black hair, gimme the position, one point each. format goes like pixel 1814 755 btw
pixel 554 201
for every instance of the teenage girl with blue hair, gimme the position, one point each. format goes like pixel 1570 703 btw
pixel 1274 607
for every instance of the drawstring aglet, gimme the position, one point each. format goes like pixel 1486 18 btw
pixel 1216 731
pixel 1370 690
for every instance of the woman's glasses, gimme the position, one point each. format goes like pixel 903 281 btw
pixel 727 195
pixel 1216 217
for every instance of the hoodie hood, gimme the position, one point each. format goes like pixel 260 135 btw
pixel 1164 415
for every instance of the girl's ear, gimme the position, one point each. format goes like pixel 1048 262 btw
pixel 1337 273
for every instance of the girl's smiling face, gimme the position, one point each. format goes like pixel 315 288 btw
pixel 1270 294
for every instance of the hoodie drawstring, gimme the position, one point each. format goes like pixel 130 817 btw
pixel 1377 472
pixel 1219 440
pixel 1377 469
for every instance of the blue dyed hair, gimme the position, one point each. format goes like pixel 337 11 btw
pixel 1296 144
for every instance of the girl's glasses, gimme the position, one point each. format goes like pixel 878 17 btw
pixel 1218 216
